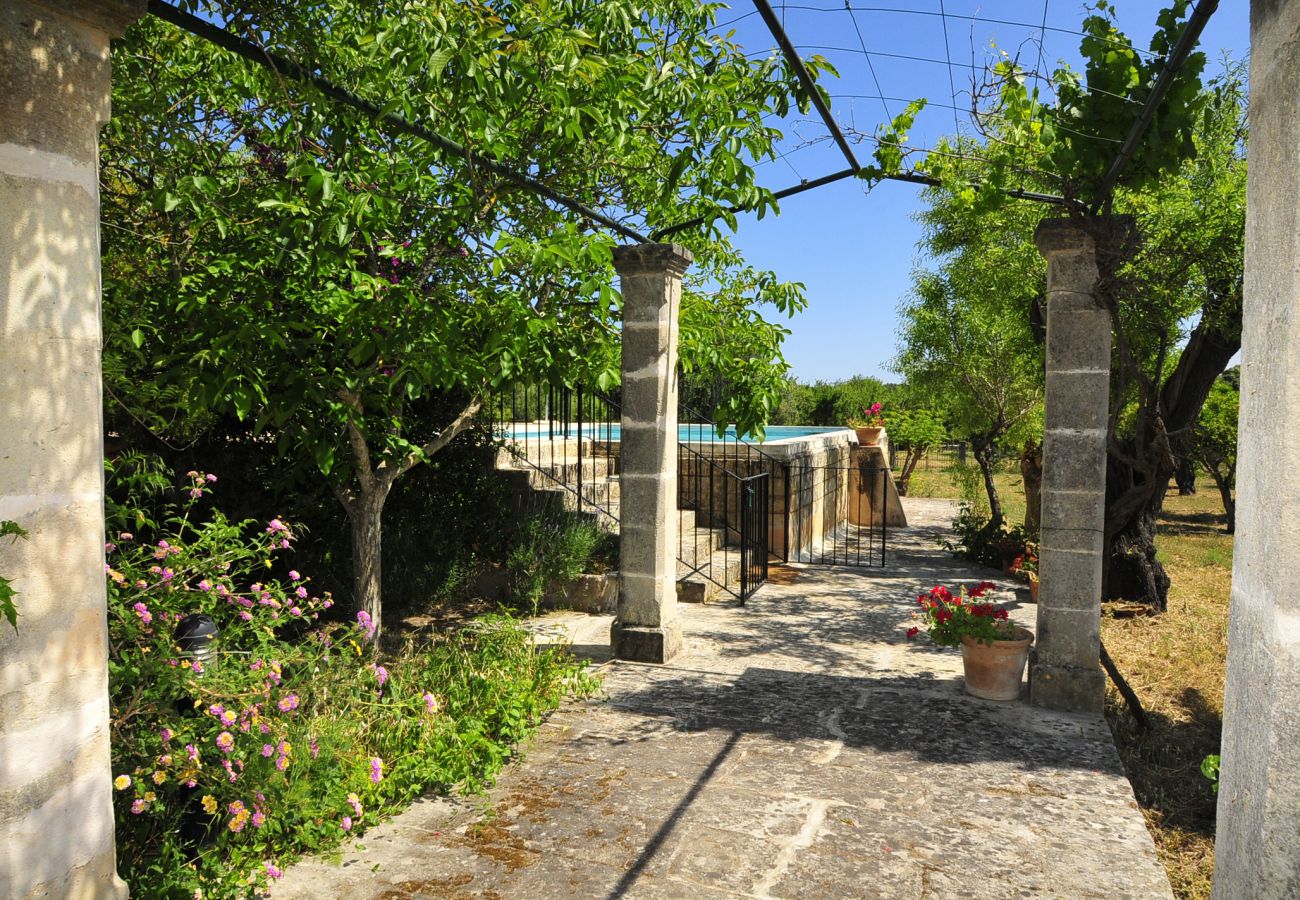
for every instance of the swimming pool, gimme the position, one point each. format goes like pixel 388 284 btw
pixel 686 433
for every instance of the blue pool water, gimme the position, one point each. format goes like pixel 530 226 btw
pixel 687 433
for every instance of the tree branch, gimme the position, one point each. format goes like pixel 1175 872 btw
pixel 444 437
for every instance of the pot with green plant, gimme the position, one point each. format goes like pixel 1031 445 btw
pixel 1029 568
pixel 869 425
pixel 994 649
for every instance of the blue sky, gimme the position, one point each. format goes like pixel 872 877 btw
pixel 853 250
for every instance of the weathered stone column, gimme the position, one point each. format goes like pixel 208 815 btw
pixel 1257 847
pixel 1066 672
pixel 646 627
pixel 56 813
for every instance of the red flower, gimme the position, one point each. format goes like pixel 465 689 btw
pixel 913 631
pixel 943 615
pixel 1000 614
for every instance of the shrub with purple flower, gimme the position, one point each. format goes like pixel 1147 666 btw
pixel 281 678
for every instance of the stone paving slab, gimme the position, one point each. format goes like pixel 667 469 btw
pixel 800 746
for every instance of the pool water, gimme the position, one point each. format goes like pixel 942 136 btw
pixel 685 433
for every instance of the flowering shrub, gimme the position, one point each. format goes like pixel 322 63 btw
pixel 873 416
pixel 295 733
pixel 949 617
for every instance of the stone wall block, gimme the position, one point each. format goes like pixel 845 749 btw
pixel 1084 401
pixel 646 448
pixel 1083 343
pixel 1070 638
pixel 1074 579
pixel 65 64
pixel 1073 461
pixel 1077 511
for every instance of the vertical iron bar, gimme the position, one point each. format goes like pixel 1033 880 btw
pixel 579 449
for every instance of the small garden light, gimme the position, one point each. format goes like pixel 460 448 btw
pixel 196 635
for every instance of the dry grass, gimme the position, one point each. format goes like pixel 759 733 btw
pixel 1175 663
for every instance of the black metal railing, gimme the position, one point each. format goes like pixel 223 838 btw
pixel 568 439
pixel 754 532
pixel 837 514
pixel 565 438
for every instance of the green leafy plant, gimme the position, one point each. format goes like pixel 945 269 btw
pixel 8 609
pixel 554 548
pixel 296 731
pixel 1210 769
pixel 949 617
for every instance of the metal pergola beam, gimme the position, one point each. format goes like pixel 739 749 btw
pixel 1173 65
pixel 805 79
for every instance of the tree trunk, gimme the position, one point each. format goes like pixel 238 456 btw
pixel 1031 473
pixel 1134 499
pixel 1138 469
pixel 1185 476
pixel 914 456
pixel 986 455
pixel 1224 484
pixel 365 515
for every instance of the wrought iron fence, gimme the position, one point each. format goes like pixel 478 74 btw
pixel 836 514
pixel 569 439
pixel 754 521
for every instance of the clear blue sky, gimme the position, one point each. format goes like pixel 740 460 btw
pixel 855 251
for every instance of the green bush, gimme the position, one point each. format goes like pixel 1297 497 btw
pixel 979 543
pixel 299 732
pixel 555 547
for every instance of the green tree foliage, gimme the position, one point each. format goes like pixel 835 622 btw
pixel 914 428
pixel 1183 188
pixel 1069 144
pixel 8 608
pixel 965 333
pixel 277 258
pixel 1214 439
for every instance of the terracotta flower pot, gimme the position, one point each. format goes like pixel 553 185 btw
pixel 994 671
pixel 868 437
pixel 1033 588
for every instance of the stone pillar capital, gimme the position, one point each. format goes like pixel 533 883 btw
pixel 651 259
pixel 1053 236
pixel 109 16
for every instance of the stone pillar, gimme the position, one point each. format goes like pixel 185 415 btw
pixel 56 812
pixel 646 627
pixel 1257 846
pixel 1066 672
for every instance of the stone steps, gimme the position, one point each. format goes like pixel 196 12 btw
pixel 699 547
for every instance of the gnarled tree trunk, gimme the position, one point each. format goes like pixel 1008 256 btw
pixel 1138 470
pixel 1031 474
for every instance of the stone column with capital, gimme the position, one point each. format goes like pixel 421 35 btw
pixel 646 627
pixel 56 809
pixel 1257 840
pixel 1066 672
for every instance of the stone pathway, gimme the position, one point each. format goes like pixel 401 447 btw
pixel 800 746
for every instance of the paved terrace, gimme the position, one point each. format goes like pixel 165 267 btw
pixel 800 746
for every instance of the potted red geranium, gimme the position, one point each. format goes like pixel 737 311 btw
pixel 869 425
pixel 993 648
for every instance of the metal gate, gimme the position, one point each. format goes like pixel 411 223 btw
pixel 754 519
pixel 836 514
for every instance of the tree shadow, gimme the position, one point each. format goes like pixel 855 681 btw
pixel 1164 762
pixel 1192 523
